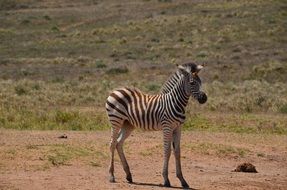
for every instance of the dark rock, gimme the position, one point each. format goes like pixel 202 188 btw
pixel 246 167
pixel 63 136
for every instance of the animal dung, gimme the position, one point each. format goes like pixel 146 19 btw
pixel 63 136
pixel 245 167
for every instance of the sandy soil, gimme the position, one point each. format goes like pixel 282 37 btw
pixel 25 161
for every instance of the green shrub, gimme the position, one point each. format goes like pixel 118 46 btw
pixel 100 64
pixel 283 109
pixel 21 90
pixel 64 117
pixel 47 17
pixel 55 29
pixel 202 54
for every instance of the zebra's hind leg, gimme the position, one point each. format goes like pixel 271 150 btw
pixel 115 133
pixel 123 135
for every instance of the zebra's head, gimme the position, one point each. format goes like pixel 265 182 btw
pixel 193 85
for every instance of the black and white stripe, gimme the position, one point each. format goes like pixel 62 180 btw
pixel 130 108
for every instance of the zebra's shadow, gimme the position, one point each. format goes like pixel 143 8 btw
pixel 159 185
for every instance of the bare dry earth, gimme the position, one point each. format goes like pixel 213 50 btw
pixel 41 160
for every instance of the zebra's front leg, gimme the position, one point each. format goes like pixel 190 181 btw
pixel 176 147
pixel 167 137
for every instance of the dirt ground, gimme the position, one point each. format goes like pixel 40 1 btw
pixel 41 160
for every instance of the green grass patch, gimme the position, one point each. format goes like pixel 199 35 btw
pixel 220 150
pixel 53 120
pixel 62 154
pixel 242 124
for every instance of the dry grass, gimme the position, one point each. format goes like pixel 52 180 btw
pixel 58 65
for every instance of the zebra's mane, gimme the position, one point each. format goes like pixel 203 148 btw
pixel 170 83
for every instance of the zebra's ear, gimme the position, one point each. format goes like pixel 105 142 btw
pixel 198 68
pixel 180 66
pixel 182 69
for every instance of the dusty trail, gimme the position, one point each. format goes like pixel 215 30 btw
pixel 40 160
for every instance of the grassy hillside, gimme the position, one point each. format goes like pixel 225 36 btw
pixel 60 59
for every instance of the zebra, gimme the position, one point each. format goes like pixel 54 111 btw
pixel 128 108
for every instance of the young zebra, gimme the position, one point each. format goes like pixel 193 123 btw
pixel 129 108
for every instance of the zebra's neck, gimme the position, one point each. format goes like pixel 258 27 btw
pixel 170 83
pixel 178 95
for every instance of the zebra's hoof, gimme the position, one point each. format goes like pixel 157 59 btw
pixel 112 179
pixel 129 178
pixel 166 184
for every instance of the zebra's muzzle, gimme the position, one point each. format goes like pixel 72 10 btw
pixel 202 98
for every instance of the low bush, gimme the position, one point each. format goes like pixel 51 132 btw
pixel 283 109
pixel 117 70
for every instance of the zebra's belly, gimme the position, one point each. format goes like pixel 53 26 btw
pixel 146 126
pixel 144 121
